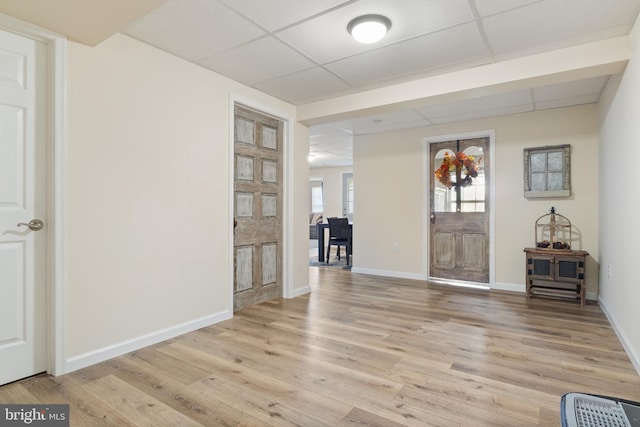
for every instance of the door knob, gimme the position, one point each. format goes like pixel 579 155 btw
pixel 34 224
pixel 433 218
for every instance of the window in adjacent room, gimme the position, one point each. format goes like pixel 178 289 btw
pixel 316 197
pixel 347 195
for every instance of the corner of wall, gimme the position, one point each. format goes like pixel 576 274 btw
pixel 628 347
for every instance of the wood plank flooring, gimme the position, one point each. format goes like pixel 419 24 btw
pixel 359 350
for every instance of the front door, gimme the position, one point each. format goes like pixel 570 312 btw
pixel 459 219
pixel 22 200
pixel 258 149
pixel 347 195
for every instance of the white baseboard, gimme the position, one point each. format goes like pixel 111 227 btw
pixel 91 358
pixel 508 287
pixel 389 273
pixel 628 348
pixel 301 291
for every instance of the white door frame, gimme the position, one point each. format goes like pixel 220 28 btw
pixel 287 192
pixel 428 175
pixel 344 195
pixel 56 187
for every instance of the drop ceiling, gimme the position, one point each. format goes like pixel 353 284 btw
pixel 299 50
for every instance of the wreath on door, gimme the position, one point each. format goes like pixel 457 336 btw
pixel 451 164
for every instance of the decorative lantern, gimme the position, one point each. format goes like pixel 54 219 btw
pixel 553 231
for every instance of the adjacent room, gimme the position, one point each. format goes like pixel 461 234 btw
pixel 168 169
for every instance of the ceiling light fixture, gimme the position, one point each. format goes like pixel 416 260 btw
pixel 369 28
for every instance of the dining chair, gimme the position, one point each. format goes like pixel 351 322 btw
pixel 339 235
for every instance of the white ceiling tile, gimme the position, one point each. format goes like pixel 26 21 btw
pixel 324 159
pixel 276 14
pixel 332 149
pixel 330 162
pixel 480 114
pixel 331 144
pixel 444 48
pixel 391 126
pixel 326 39
pixel 328 129
pixel 303 85
pixel 467 106
pixel 342 153
pixel 570 89
pixel 377 121
pixel 194 29
pixel 276 45
pixel 319 136
pixel 552 24
pixel 567 102
pixel 260 60
pixel 491 7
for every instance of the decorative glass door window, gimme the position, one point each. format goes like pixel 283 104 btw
pixel 463 198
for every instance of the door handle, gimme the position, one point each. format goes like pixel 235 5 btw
pixel 433 218
pixel 34 224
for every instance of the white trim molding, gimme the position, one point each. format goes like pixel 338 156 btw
pixel 91 358
pixel 301 291
pixel 389 273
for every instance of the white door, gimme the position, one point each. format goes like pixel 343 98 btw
pixel 347 196
pixel 22 200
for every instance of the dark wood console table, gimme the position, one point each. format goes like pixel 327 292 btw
pixel 556 272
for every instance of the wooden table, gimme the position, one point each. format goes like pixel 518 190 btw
pixel 325 226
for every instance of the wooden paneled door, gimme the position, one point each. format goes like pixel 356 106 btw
pixel 258 149
pixel 459 218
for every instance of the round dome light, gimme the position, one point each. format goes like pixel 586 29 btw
pixel 369 28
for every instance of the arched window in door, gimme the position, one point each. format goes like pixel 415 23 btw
pixel 451 194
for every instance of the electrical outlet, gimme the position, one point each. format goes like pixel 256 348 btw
pixel 609 271
pixel 396 247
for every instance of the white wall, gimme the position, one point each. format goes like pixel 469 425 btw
pixel 619 204
pixel 391 210
pixel 148 191
pixel 300 211
pixel 331 188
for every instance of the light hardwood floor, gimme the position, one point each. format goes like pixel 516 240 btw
pixel 359 350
